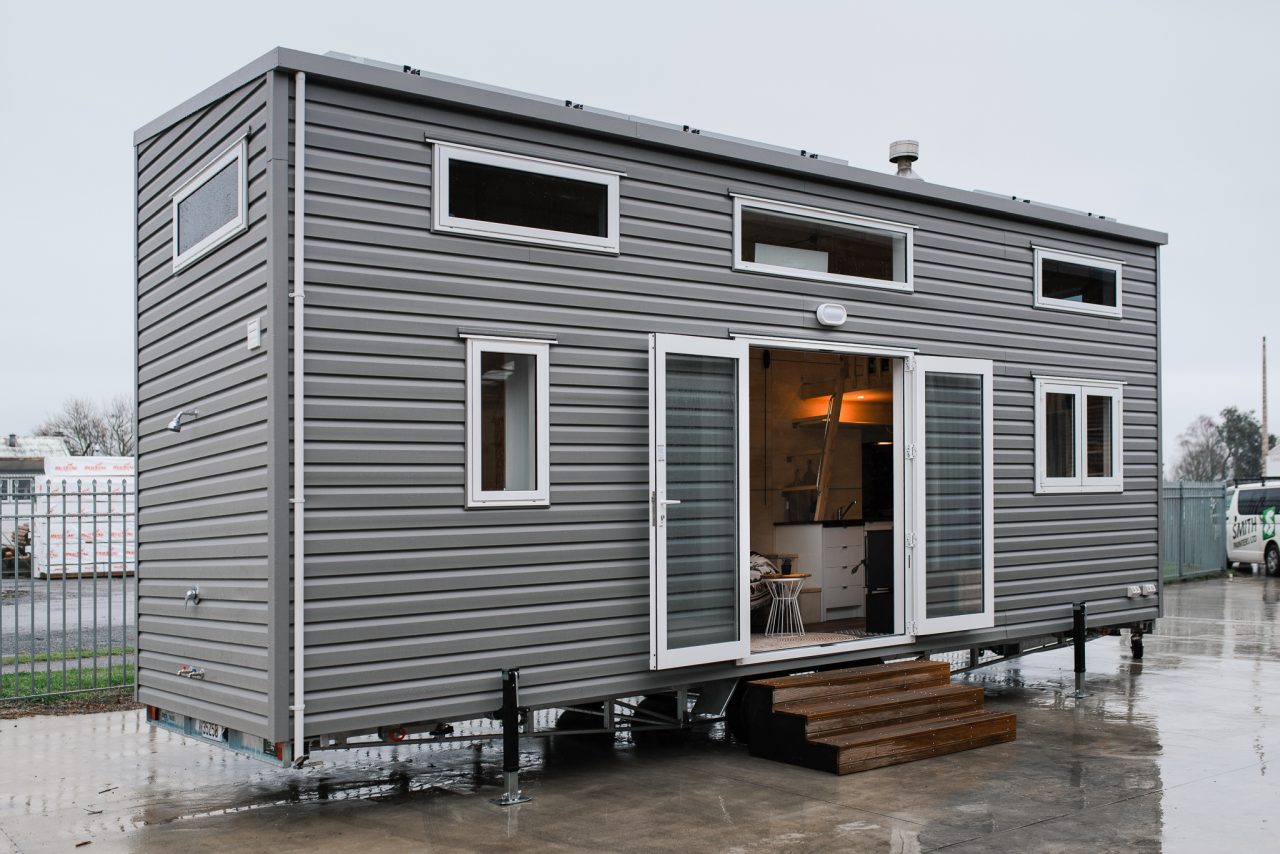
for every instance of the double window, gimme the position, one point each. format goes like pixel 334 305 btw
pixel 1079 436
pixel 827 246
pixel 507 196
pixel 1069 282
pixel 211 206
pixel 17 488
pixel 508 445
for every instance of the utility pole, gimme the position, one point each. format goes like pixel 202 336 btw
pixel 1265 435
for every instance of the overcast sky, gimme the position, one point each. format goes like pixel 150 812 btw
pixel 1160 114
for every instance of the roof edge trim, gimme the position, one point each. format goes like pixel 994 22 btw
pixel 462 96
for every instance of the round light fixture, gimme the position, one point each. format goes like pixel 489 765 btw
pixel 832 314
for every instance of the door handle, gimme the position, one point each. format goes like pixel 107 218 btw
pixel 669 501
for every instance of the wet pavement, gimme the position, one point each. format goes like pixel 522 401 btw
pixel 1172 753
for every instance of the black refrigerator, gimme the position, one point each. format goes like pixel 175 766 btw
pixel 880 582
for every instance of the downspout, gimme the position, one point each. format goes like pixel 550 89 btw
pixel 299 401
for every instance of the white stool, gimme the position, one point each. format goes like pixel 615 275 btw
pixel 784 611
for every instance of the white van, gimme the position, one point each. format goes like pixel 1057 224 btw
pixel 1251 525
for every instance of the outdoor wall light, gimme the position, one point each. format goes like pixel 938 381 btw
pixel 832 314
pixel 176 424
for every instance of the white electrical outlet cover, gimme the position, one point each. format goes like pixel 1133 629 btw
pixel 254 334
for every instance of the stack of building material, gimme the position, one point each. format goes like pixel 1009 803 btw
pixel 85 517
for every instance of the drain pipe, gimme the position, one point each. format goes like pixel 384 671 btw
pixel 299 472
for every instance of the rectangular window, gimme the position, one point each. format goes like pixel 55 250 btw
pixel 211 206
pixel 512 197
pixel 829 246
pixel 1071 282
pixel 1253 501
pixel 508 446
pixel 1078 435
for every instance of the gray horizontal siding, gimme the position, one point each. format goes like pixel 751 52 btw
pixel 203 494
pixel 414 604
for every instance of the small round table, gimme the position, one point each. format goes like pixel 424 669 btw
pixel 784 611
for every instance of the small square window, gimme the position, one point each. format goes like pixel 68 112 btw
pixel 211 206
pixel 1078 436
pixel 829 246
pixel 508 446
pixel 1069 282
pixel 511 197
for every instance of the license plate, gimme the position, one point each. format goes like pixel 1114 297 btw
pixel 213 731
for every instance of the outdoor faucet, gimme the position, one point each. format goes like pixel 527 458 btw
pixel 192 597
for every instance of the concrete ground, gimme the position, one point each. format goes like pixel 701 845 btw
pixel 1171 754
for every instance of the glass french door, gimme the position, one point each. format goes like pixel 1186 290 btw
pixel 954 555
pixel 698 500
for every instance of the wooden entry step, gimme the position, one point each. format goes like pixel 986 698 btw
pixel 860 718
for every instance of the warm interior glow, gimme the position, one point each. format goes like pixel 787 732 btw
pixel 866 406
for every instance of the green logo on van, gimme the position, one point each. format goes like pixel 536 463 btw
pixel 1269 523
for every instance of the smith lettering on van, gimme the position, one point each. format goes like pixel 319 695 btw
pixel 1251 527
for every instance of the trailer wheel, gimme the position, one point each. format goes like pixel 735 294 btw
pixel 662 705
pixel 580 718
pixel 1273 559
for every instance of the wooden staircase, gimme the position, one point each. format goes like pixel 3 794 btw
pixel 868 717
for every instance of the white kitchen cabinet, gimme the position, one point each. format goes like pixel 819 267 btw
pixel 844 577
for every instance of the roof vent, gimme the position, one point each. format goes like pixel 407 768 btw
pixel 904 152
pixel 13 440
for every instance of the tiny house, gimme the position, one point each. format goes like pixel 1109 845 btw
pixel 436 380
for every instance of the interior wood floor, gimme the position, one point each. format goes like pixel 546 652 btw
pixel 815 634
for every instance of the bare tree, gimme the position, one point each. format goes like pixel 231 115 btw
pixel 90 428
pixel 117 422
pixel 1203 454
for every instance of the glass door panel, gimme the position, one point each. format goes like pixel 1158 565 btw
pixel 954 559
pixel 698 500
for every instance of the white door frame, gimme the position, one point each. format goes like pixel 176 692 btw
pixel 660 657
pixel 903 365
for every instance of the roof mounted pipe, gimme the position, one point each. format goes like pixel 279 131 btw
pixel 903 153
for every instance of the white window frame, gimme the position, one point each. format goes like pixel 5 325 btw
pixel 1081 482
pixel 540 496
pixel 239 153
pixel 834 217
pixel 442 221
pixel 1043 253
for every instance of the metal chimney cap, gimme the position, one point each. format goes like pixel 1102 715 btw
pixel 904 149
pixel 904 152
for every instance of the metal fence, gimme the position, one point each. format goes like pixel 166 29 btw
pixel 1193 525
pixel 68 622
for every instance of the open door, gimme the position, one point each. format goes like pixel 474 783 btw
pixel 954 554
pixel 698 500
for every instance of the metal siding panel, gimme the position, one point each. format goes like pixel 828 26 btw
pixel 399 573
pixel 204 494
pixel 391 570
